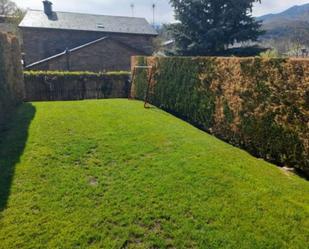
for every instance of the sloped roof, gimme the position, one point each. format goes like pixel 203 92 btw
pixel 87 22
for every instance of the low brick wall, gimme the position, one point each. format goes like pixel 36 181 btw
pixel 54 85
pixel 11 76
pixel 261 105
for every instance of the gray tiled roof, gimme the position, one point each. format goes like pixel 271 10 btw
pixel 87 22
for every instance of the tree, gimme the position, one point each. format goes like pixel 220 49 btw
pixel 209 27
pixel 7 8
pixel 12 15
pixel 10 10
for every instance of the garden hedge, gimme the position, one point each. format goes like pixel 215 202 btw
pixel 57 85
pixel 261 105
pixel 11 79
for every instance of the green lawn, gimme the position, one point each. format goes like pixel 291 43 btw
pixel 110 174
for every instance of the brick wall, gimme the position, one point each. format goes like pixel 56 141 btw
pixel 42 43
pixel 106 55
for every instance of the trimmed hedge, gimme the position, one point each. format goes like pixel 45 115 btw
pixel 11 79
pixel 261 105
pixel 58 85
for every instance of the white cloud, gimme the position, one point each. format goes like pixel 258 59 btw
pixel 143 8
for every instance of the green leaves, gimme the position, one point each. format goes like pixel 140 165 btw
pixel 208 27
pixel 258 104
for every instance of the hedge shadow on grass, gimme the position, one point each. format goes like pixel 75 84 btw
pixel 13 138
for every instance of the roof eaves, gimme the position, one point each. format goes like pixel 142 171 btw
pixel 89 30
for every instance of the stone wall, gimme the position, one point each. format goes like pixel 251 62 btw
pixel 54 86
pixel 105 55
pixel 43 43
pixel 11 77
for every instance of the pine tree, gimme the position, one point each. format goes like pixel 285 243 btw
pixel 208 27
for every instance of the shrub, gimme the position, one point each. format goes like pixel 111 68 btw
pixel 255 103
pixel 62 85
pixel 270 53
pixel 11 81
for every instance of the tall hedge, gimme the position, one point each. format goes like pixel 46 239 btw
pixel 11 79
pixel 261 105
pixel 58 85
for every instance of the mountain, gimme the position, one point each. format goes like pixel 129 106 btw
pixel 292 25
pixel 295 13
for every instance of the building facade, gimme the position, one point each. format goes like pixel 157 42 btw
pixel 48 34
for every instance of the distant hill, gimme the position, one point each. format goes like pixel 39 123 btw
pixel 292 24
pixel 295 13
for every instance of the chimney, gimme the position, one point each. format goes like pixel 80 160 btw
pixel 48 7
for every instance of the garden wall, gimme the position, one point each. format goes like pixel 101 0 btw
pixel 261 105
pixel 11 77
pixel 54 85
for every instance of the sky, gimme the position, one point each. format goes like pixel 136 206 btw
pixel 143 8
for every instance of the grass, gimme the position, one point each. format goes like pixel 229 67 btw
pixel 110 174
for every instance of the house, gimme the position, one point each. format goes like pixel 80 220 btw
pixel 74 41
pixel 168 47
